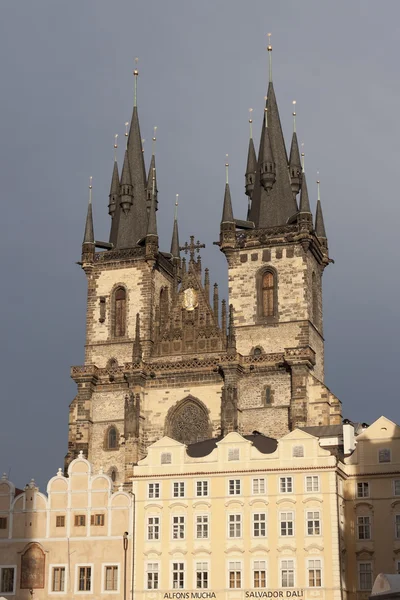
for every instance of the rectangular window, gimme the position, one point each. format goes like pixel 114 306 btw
pixel 97 520
pixel 259 524
pixel 234 487
pixel 233 454
pixel 312 483
pixel 286 485
pixel 178 528
pixel 153 576
pixel 3 522
pixel 286 519
pixel 259 486
pixel 397 526
pixel 178 575
pixel 179 489
pixel 202 527
pixel 235 526
pixel 287 573
pixel 396 487
pixel 153 490
pixel 201 488
pixel 235 575
pixel 60 521
pixel 7 580
pixel 85 579
pixel 259 574
pixel 364 528
pixel 202 575
pixel 313 523
pixel 314 573
pixel 80 520
pixel 365 576
pixel 111 578
pixel 58 579
pixel 362 489
pixel 153 528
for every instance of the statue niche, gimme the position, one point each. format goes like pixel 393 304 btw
pixel 188 422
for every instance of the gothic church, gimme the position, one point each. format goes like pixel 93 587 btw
pixel 163 355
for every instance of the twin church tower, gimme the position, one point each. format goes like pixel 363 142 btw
pixel 163 355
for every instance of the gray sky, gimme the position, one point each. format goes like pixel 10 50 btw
pixel 66 88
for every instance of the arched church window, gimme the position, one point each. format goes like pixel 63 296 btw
pixel 113 475
pixel 112 439
pixel 268 299
pixel 257 351
pixel 119 312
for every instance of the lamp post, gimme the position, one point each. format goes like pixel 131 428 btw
pixel 125 546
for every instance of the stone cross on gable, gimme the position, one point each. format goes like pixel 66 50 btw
pixel 192 247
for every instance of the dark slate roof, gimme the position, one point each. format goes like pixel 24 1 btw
pixel 323 430
pixel 264 444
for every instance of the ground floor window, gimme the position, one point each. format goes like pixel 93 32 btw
pixel 235 575
pixel 111 578
pixel 314 573
pixel 153 575
pixel 58 579
pixel 365 575
pixel 84 579
pixel 259 573
pixel 178 575
pixel 287 573
pixel 7 579
pixel 202 575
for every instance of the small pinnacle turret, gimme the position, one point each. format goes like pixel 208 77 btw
pixel 294 159
pixel 268 171
pixel 251 168
pixel 152 222
pixel 152 174
pixel 88 246
pixel 305 215
pixel 227 227
pixel 126 189
pixel 175 233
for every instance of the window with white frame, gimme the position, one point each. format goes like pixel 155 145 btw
pixel 178 489
pixel 235 574
pixel 202 523
pixel 153 528
pixel 364 528
pixel 384 455
pixel 84 579
pixel 201 575
pixel 234 487
pixel 397 527
pixel 314 569
pixel 313 522
pixel 58 578
pixel 286 485
pixel 312 483
pixel 178 575
pixel 233 454
pixel 259 574
pixel 287 573
pixel 178 528
pixel 235 525
pixel 259 524
pixel 362 489
pixel 152 575
pixel 202 488
pixel 7 579
pixel 365 575
pixel 287 523
pixel 298 451
pixel 111 578
pixel 259 486
pixel 153 490
pixel 396 487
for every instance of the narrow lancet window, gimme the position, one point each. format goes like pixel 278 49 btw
pixel 112 438
pixel 120 312
pixel 268 295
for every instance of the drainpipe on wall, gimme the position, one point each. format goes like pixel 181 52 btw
pixel 133 543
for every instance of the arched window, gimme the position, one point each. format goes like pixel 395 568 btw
pixel 113 475
pixel 268 395
pixel 268 295
pixel 112 438
pixel 119 312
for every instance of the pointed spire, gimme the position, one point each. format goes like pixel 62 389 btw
pixel 88 237
pixel 175 234
pixel 223 316
pixel 231 345
pixel 268 170
pixel 152 223
pixel 207 283
pixel 114 188
pixel 319 219
pixel 294 158
pixel 216 302
pixel 126 190
pixel 251 160
pixel 227 213
pixel 304 200
pixel 152 171
pixel 137 347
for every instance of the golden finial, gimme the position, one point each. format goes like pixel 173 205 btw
pixel 154 140
pixel 269 48
pixel 115 146
pixel 251 121
pixel 126 132
pixel 302 156
pixel 226 169
pixel 90 189
pixel 176 206
pixel 294 116
pixel 136 74
pixel 318 190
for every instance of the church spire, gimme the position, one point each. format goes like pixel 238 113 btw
pixel 268 171
pixel 319 221
pixel 274 206
pixel 88 237
pixel 175 234
pixel 152 171
pixel 126 190
pixel 294 158
pixel 113 206
pixel 227 212
pixel 251 160
pixel 152 222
